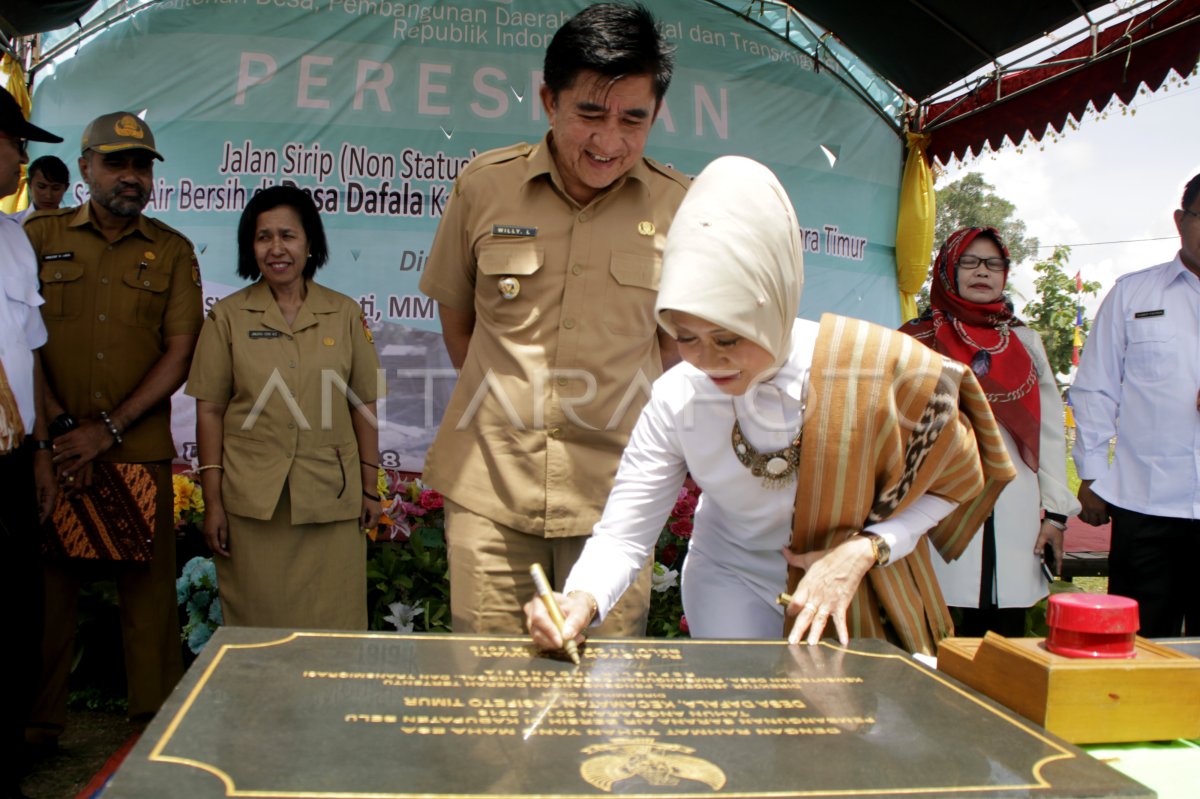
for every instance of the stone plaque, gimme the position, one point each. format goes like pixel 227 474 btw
pixel 268 713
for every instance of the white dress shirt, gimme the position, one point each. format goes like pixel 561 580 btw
pixel 21 327
pixel 740 526
pixel 1138 380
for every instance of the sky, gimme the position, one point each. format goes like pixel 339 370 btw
pixel 1114 179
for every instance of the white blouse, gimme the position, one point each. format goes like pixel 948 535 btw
pixel 740 524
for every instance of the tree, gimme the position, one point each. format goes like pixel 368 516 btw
pixel 971 201
pixel 1053 313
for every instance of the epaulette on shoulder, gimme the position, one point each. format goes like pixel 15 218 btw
pixel 498 156
pixel 1139 272
pixel 164 226
pixel 51 213
pixel 669 172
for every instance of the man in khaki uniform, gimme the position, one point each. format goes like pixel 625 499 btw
pixel 545 268
pixel 123 309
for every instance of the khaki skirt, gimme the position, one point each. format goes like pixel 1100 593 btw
pixel 304 576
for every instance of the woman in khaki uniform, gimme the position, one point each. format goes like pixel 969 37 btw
pixel 285 381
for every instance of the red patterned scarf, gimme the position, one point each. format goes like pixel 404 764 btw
pixel 980 335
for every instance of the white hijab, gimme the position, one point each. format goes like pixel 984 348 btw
pixel 733 256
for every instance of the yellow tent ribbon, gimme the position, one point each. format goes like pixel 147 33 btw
pixel 15 84
pixel 914 225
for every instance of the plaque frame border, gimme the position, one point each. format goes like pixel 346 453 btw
pixel 1039 782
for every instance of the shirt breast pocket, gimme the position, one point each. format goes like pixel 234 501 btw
pixel 143 297
pixel 504 288
pixel 62 290
pixel 1152 353
pixel 630 293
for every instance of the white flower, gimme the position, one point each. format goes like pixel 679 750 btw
pixel 403 616
pixel 663 578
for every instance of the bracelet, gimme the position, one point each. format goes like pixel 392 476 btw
pixel 112 428
pixel 371 496
pixel 209 466
pixel 40 444
pixel 374 466
pixel 595 608
pixel 1054 523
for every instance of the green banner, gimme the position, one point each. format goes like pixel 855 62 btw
pixel 374 107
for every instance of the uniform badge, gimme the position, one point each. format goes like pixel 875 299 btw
pixel 366 331
pixel 195 268
pixel 328 341
pixel 519 231
pixel 646 228
pixel 264 334
pixel 509 287
pixel 149 256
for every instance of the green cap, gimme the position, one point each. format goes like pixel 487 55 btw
pixel 118 131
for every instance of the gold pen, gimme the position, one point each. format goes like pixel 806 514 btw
pixel 543 590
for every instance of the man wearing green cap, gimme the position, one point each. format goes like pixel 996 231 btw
pixel 123 311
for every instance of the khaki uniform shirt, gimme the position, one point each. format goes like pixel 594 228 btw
pixel 565 343
pixel 287 415
pixel 109 309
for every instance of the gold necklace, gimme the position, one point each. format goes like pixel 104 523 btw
pixel 777 469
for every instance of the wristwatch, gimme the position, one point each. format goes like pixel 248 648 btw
pixel 881 548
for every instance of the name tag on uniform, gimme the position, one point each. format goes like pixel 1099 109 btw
pixel 1148 314
pixel 58 256
pixel 265 334
pixel 514 230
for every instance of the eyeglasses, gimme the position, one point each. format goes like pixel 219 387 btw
pixel 22 144
pixel 973 261
pixel 1186 212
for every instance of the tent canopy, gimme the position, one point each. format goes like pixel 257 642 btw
pixel 924 46
pixel 927 48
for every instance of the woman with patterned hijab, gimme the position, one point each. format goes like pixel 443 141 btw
pixel 999 576
pixel 825 451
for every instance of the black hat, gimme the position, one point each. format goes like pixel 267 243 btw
pixel 12 121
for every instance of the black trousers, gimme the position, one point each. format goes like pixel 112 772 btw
pixel 21 594
pixel 976 622
pixel 1152 559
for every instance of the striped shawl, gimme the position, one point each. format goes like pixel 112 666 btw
pixel 888 420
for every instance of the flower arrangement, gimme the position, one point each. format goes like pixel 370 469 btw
pixel 408 581
pixel 666 601
pixel 196 593
pixel 189 501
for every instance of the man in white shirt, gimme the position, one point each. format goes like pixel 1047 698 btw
pixel 24 450
pixel 1140 381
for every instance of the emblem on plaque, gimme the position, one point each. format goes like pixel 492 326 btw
pixel 509 287
pixel 646 228
pixel 655 763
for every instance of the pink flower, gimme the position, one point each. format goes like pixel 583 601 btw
pixel 411 509
pixel 682 528
pixel 430 499
pixel 683 625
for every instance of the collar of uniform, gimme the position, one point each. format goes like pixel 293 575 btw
pixel 83 216
pixel 1177 271
pixel 541 162
pixel 319 300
